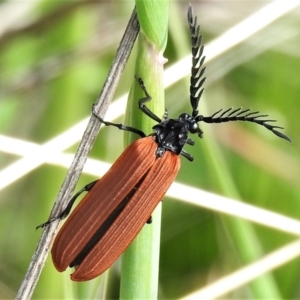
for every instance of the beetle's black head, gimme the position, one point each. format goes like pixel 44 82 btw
pixel 191 124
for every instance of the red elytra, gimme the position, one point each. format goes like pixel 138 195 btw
pixel 138 164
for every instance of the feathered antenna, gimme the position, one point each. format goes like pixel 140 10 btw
pixel 243 115
pixel 196 89
pixel 197 71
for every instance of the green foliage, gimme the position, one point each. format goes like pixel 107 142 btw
pixel 153 17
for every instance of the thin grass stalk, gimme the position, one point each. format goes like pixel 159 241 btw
pixel 39 258
pixel 141 260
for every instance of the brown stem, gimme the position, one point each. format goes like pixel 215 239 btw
pixel 40 255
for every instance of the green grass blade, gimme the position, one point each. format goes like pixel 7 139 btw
pixel 140 261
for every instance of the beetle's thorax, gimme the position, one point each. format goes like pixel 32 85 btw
pixel 172 134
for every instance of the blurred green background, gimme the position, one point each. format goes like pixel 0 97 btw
pixel 54 58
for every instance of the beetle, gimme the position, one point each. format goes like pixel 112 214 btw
pixel 118 205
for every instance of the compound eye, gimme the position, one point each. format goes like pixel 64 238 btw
pixel 194 127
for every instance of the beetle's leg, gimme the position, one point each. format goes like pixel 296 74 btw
pixel 147 98
pixel 120 126
pixel 67 210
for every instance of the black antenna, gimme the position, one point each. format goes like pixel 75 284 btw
pixel 246 115
pixel 197 71
pixel 196 89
